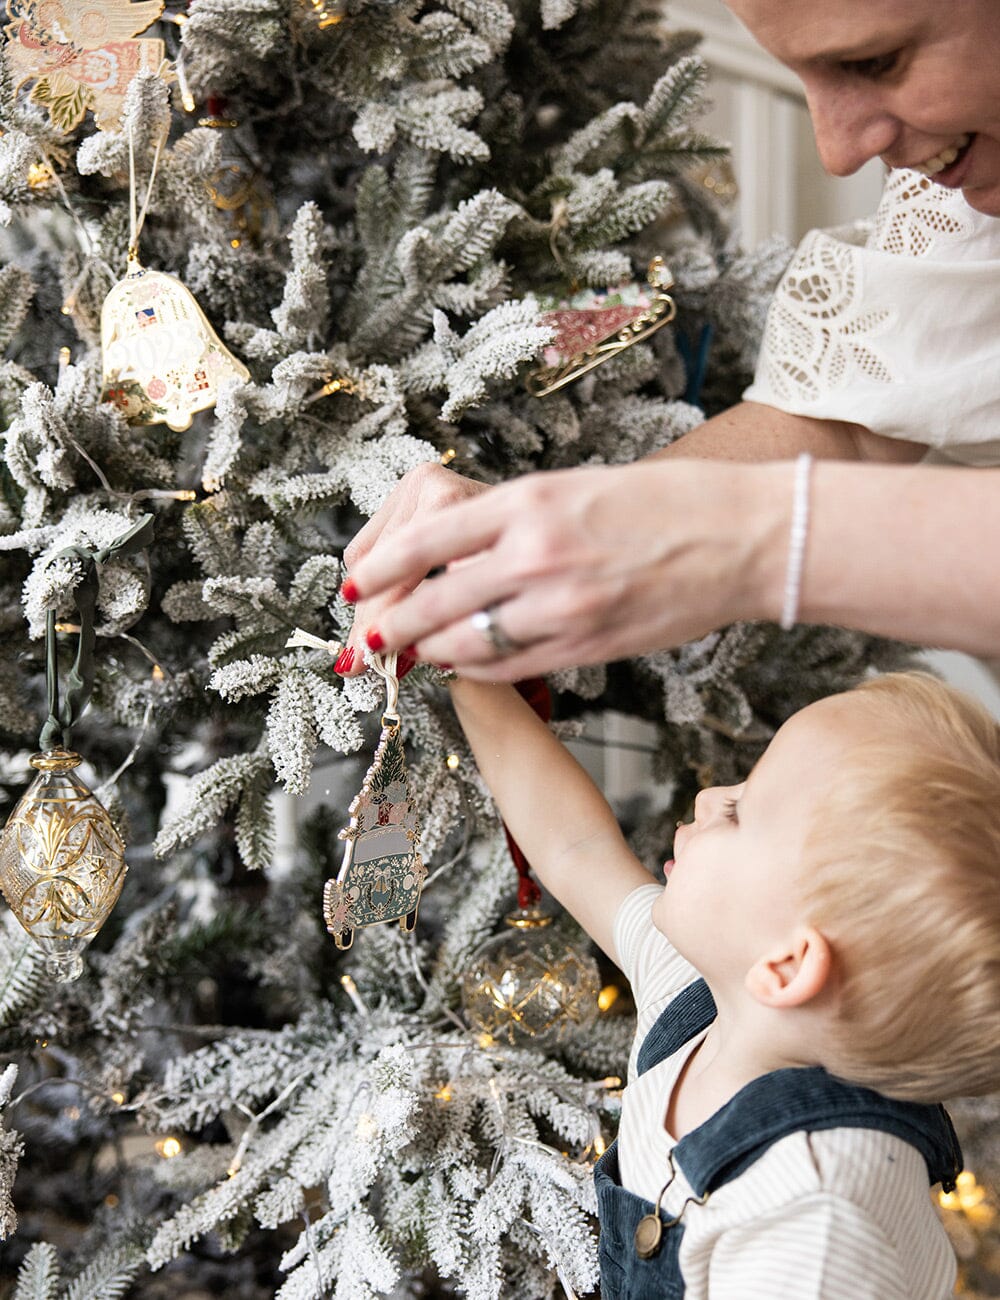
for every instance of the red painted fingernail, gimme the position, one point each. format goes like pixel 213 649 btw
pixel 349 590
pixel 374 638
pixel 445 668
pixel 344 661
pixel 403 664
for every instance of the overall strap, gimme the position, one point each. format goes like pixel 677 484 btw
pixel 808 1100
pixel 787 1101
pixel 691 1011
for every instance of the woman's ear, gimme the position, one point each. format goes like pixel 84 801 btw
pixel 792 976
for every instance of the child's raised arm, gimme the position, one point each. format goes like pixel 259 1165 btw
pixel 555 812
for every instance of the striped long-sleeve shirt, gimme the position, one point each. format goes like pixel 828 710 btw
pixel 842 1214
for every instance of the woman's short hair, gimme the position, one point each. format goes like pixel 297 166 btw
pixel 902 875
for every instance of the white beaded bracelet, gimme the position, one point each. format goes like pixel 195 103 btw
pixel 797 541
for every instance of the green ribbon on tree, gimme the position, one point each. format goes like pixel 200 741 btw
pixel 80 679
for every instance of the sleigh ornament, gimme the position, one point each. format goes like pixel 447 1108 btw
pixel 381 875
pixel 596 325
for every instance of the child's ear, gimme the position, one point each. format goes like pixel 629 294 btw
pixel 794 975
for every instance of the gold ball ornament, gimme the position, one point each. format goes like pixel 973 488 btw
pixel 62 863
pixel 527 983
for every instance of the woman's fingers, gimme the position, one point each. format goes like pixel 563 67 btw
pixel 419 494
pixel 582 566
pixel 541 539
pixel 402 559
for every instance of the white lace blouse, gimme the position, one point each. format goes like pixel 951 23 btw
pixel 894 323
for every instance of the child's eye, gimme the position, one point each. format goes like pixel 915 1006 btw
pixel 729 810
pixel 872 69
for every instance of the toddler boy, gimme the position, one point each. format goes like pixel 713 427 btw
pixel 820 971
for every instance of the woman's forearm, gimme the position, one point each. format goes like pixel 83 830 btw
pixel 910 552
pixel 751 431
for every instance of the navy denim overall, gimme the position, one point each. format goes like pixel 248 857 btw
pixel 767 1109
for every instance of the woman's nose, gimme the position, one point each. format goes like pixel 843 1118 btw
pixel 850 127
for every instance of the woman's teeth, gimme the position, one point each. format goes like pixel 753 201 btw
pixel 931 166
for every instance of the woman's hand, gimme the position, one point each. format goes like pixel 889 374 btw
pixel 580 566
pixel 420 493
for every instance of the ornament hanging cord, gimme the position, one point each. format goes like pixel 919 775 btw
pixel 385 666
pixel 80 679
pixel 135 223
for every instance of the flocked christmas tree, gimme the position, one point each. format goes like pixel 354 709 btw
pixel 374 202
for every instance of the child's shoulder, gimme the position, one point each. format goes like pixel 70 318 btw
pixel 825 1196
pixel 649 960
pixel 867 1173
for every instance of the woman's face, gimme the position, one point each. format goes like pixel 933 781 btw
pixel 913 82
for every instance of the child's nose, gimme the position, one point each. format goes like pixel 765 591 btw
pixel 709 801
pixel 706 802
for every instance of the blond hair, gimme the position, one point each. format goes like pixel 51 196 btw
pixel 902 875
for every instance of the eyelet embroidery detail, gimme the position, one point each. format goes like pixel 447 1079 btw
pixel 915 216
pixel 818 334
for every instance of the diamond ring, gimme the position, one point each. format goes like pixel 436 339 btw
pixel 487 624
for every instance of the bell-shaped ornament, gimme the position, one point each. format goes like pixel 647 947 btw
pixel 528 983
pixel 62 863
pixel 162 360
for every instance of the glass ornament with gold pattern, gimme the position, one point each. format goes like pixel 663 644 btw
pixel 529 983
pixel 62 863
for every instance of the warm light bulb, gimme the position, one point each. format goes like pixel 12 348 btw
pixel 168 1147
pixel 38 175
pixel 235 243
pixel 443 1093
pixel 608 996
pixel 600 1146
pixel 452 762
pixel 118 1098
pixel 448 456
pixel 485 1040
pixel 158 675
